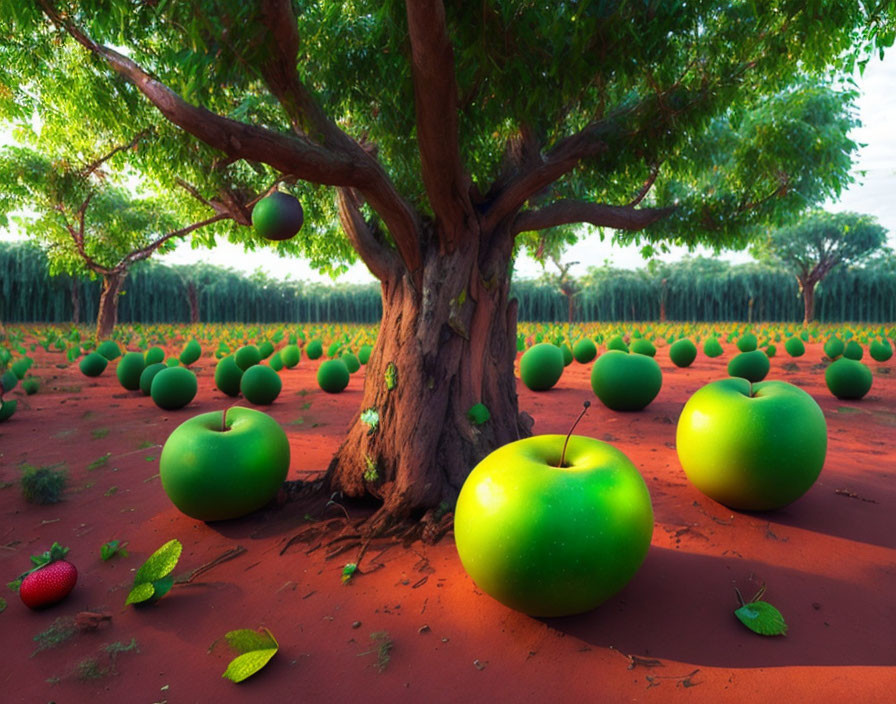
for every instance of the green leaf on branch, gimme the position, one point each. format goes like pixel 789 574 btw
pixel 151 581
pixel 760 616
pixel 256 648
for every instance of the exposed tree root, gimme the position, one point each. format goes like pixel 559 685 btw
pixel 392 521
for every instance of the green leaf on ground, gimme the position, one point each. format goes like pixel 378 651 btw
pixel 348 572
pixel 113 548
pixel 256 648
pixel 151 581
pixel 761 617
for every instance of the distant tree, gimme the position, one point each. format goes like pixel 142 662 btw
pixel 549 247
pixel 811 248
pixel 86 221
pixel 195 279
pixel 436 133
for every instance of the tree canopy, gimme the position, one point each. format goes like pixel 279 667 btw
pixel 713 117
pixel 86 222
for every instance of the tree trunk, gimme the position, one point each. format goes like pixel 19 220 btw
pixel 107 316
pixel 76 302
pixel 193 301
pixel 440 351
pixel 808 289
pixel 571 308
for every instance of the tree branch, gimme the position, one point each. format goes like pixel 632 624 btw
pixel 435 101
pixel 77 236
pixel 93 166
pixel 283 152
pixel 297 156
pixel 565 212
pixel 376 255
pixel 280 74
pixel 193 191
pixel 145 252
pixel 645 187
pixel 560 160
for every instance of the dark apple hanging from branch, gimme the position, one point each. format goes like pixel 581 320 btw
pixel 278 216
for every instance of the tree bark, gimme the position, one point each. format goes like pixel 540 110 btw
pixel 107 315
pixel 808 289
pixel 441 349
pixel 571 307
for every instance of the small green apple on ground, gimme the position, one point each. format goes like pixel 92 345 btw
pixel 333 376
pixel 753 447
pixel 848 379
pixel 626 381
pixel 551 540
pixel 541 366
pixel 223 465
pixel 752 366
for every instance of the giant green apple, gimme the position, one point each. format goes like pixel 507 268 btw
pixel 549 540
pixel 754 447
pixel 212 473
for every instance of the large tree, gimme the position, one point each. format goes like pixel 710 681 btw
pixel 811 248
pixel 444 132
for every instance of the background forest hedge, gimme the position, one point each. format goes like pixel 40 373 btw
pixel 694 290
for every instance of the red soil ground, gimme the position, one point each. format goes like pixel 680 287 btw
pixel 829 561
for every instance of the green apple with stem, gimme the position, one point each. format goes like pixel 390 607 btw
pixel 224 464
pixel 553 525
pixel 752 446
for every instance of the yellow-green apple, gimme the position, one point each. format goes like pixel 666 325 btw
pixel 753 447
pixel 550 540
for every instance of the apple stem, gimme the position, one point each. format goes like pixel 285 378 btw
pixel 586 405
pixel 224 427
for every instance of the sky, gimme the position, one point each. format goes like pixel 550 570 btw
pixel 874 193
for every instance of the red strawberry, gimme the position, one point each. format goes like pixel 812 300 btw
pixel 49 584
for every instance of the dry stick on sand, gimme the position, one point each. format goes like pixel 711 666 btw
pixel 224 557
